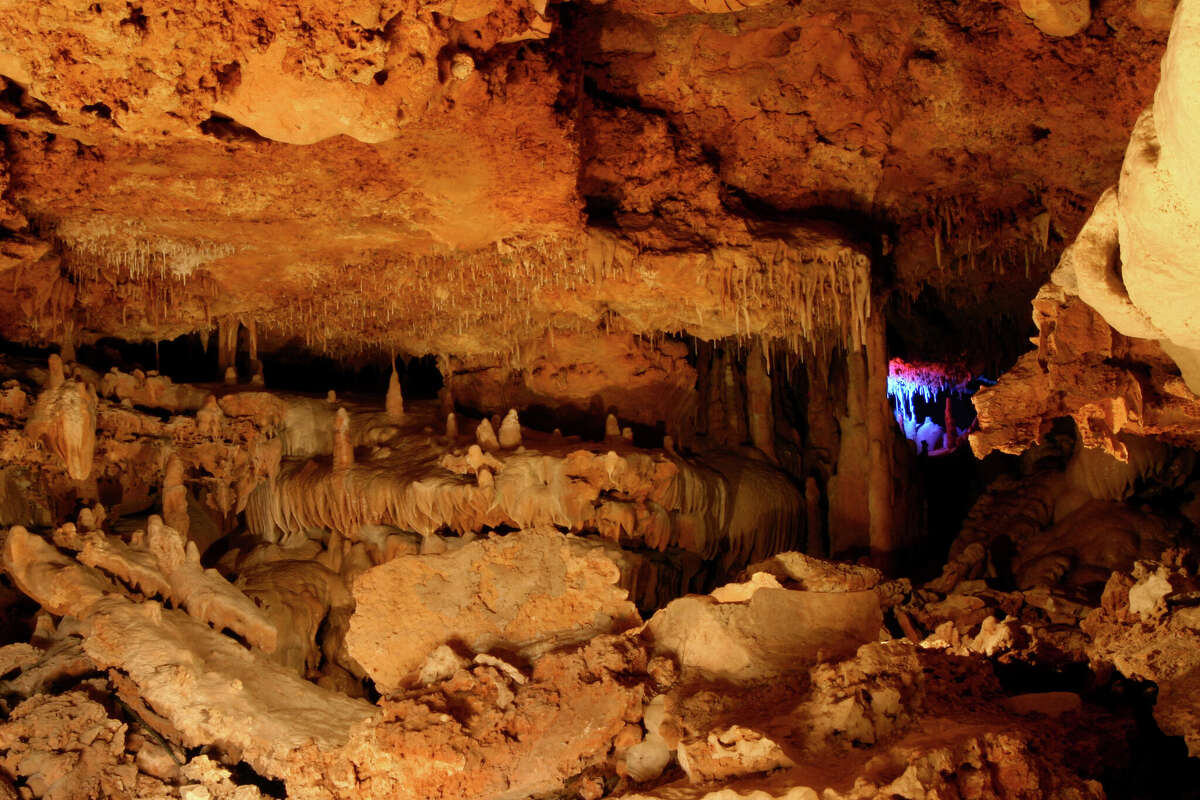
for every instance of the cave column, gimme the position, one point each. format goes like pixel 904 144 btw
pixel 256 368
pixel 227 338
pixel 174 496
pixel 861 514
pixel 848 488
pixel 67 348
pixel 446 393
pixel 760 411
pixel 880 433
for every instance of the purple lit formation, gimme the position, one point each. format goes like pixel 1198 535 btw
pixel 921 395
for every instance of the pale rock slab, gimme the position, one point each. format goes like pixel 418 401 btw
pixel 763 633
pixel 526 593
pixel 1058 17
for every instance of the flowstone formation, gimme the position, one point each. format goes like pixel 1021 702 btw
pixel 506 399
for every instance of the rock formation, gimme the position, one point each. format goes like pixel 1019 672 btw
pixel 64 419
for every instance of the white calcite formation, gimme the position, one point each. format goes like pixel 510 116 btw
pixel 1133 262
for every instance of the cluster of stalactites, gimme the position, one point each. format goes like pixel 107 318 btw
pixel 908 379
pixel 815 299
pixel 126 246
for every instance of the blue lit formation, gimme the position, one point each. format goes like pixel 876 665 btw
pixel 915 389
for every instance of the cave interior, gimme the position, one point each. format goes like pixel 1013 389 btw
pixel 630 399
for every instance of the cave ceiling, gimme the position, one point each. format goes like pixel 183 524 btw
pixel 464 176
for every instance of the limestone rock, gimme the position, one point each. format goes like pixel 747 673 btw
pixel 526 593
pixel 211 688
pixel 1160 648
pixel 161 562
pixel 1058 17
pixel 565 719
pixel 66 746
pixel 59 584
pixel 1154 14
pixel 799 571
pixel 773 632
pixel 732 752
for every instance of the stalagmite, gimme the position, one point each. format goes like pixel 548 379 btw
pixel 68 344
pixel 394 405
pixel 343 448
pixel 64 418
pixel 759 406
pixel 55 373
pixel 231 376
pixel 209 417
pixel 627 433
pixel 510 430
pixel 612 428
pixel 485 435
pixel 451 426
pixel 174 497
pixel 484 478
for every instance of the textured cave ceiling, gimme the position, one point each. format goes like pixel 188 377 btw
pixel 462 177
